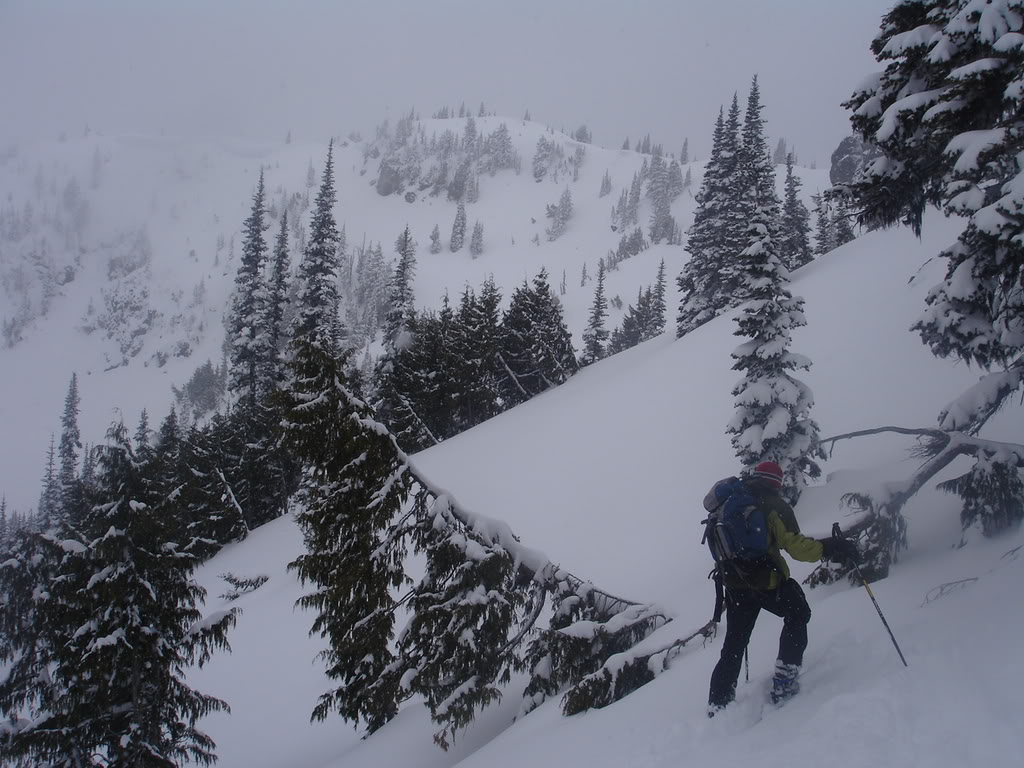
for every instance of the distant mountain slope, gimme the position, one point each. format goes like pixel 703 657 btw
pixel 118 256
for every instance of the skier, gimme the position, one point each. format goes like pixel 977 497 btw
pixel 766 584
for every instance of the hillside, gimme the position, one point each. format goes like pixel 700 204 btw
pixel 118 256
pixel 605 474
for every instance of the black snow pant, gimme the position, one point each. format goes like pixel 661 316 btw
pixel 742 608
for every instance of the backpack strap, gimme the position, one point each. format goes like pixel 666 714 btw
pixel 716 576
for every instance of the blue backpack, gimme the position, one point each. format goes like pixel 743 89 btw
pixel 736 527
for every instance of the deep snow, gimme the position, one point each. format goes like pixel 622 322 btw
pixel 605 474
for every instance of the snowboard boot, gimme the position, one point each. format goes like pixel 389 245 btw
pixel 785 684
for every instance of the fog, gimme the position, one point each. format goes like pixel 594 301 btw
pixel 259 69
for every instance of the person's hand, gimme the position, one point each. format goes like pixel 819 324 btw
pixel 840 550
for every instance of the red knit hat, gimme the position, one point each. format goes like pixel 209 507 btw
pixel 769 471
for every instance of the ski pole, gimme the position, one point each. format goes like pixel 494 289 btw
pixel 837 533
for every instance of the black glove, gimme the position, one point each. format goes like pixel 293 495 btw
pixel 840 550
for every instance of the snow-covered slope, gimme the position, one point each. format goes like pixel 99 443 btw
pixel 139 237
pixel 606 474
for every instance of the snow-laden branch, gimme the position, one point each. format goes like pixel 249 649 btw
pixel 947 441
pixel 883 531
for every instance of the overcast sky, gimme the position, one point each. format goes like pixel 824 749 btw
pixel 258 68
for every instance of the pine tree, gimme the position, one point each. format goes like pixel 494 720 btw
pixel 636 324
pixel 476 339
pixel 772 419
pixel 247 328
pixel 469 135
pixel 255 467
pixel 658 307
pixel 458 229
pixel 70 444
pixel 30 638
pixel 757 174
pixel 435 240
pixel 476 241
pixel 595 336
pixel 676 185
pixel 841 225
pixel 49 497
pixel 606 184
pixel 122 624
pixel 560 215
pixel 400 292
pixel 436 371
pixel 794 244
pixel 341 508
pixel 277 304
pixel 536 348
pixel 190 466
pixel 684 153
pixel 398 385
pixel 825 234
pixel 708 282
pixel 662 222
pixel 316 298
pixel 342 513
pixel 503 153
pixel 542 157
pixel 633 201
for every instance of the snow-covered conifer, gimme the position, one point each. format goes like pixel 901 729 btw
pixel 70 445
pixel 247 330
pixel 795 227
pixel 772 420
pixel 277 304
pixel 842 227
pixel 476 240
pixel 542 157
pixel 400 291
pixel 458 229
pixel 560 215
pixel 49 495
pixel 825 231
pixel 707 282
pixel 122 626
pixel 595 335
pixel 658 306
pixel 662 222
pixel 435 239
pixel 536 348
